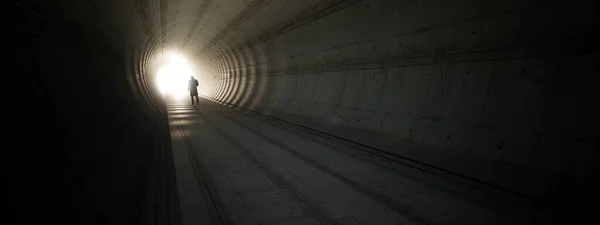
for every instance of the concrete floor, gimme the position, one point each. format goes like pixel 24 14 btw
pixel 236 168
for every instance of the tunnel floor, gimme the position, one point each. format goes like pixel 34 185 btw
pixel 233 167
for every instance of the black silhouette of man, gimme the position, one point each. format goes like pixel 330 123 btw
pixel 192 85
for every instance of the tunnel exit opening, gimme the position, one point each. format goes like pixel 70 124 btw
pixel 173 76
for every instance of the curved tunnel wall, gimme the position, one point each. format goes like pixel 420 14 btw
pixel 93 131
pixel 499 91
pixel 492 90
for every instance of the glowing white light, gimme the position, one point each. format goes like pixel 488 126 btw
pixel 172 78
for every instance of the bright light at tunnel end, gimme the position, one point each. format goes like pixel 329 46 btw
pixel 172 77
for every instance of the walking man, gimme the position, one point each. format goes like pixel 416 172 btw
pixel 192 85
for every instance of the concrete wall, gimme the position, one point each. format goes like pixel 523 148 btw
pixel 499 91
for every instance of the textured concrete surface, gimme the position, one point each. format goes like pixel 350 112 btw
pixel 256 170
pixel 456 85
pixel 496 95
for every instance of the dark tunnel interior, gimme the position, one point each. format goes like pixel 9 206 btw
pixel 500 93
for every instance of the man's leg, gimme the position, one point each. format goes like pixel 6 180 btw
pixel 197 100
pixel 192 97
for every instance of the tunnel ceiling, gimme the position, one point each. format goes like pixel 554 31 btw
pixel 208 32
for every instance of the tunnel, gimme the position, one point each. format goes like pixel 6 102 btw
pixel 491 101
